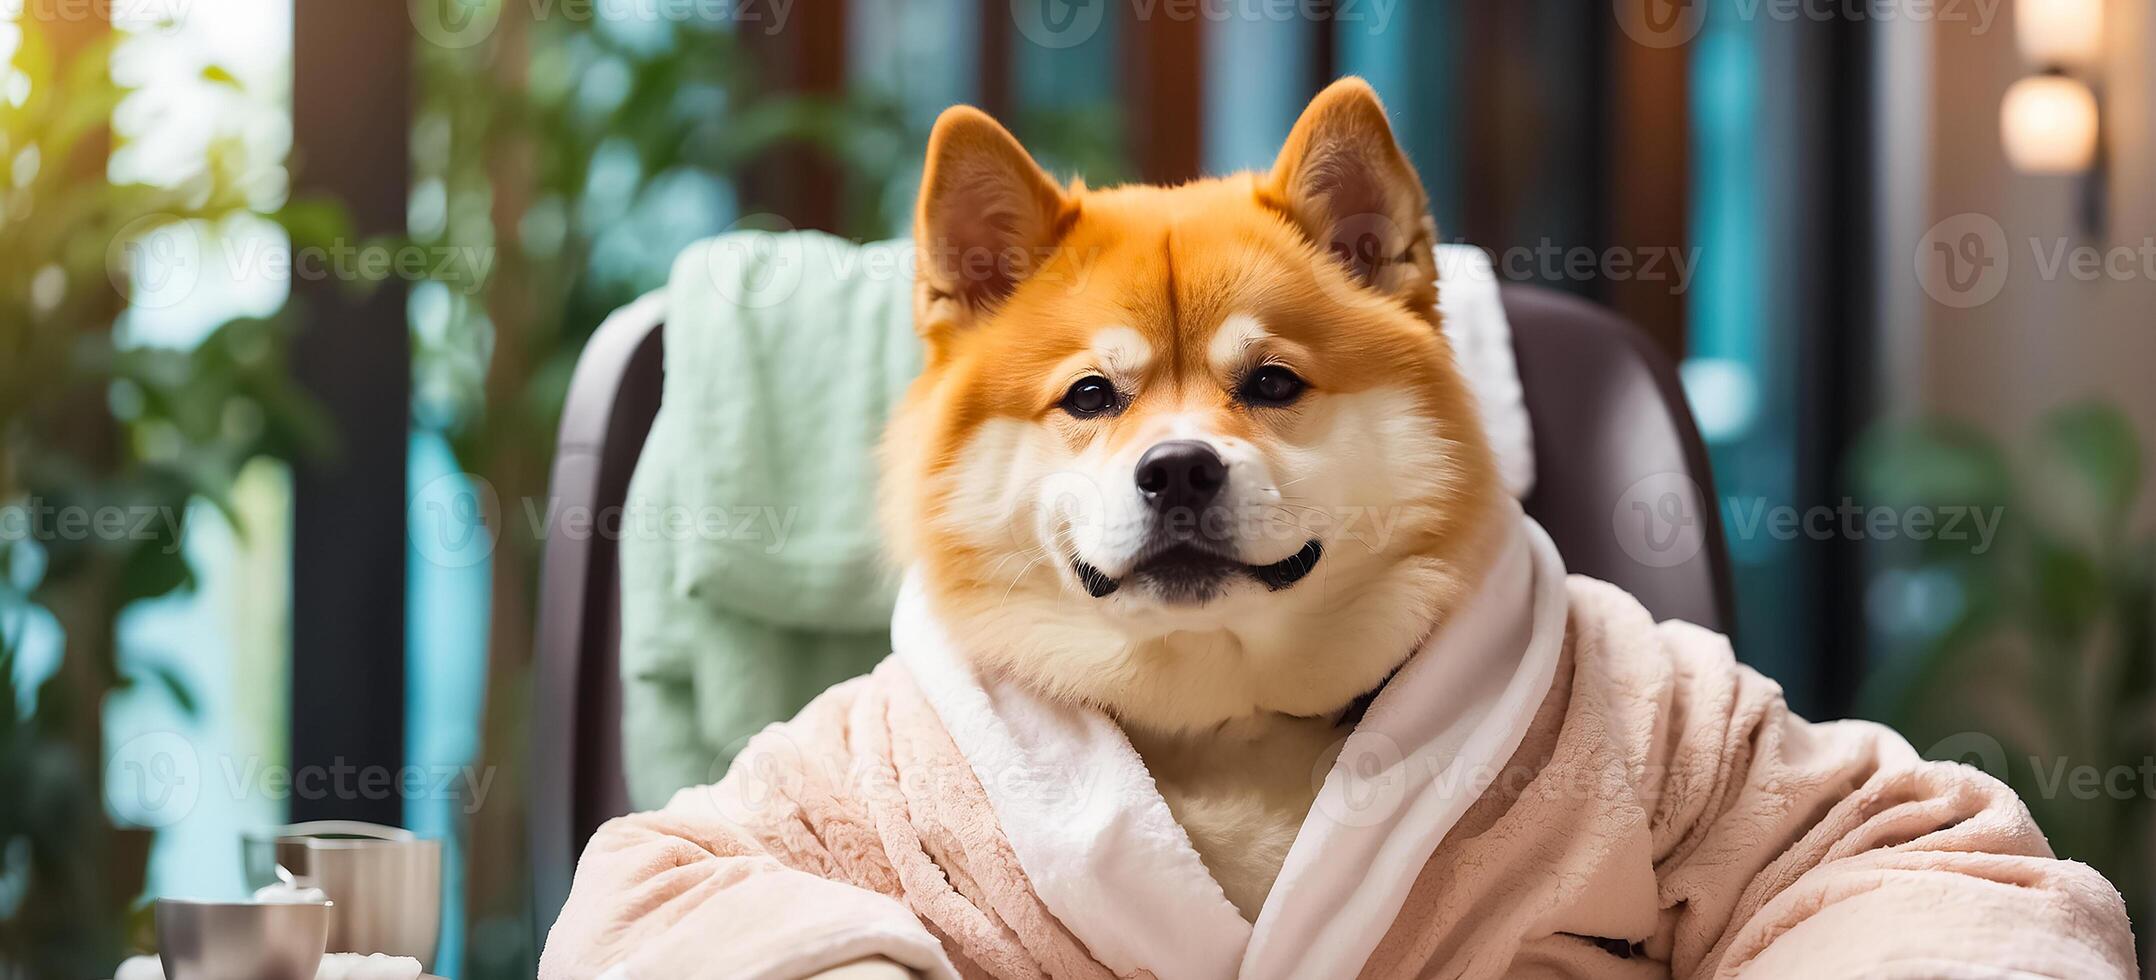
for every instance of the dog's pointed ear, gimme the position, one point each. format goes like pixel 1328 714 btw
pixel 1344 181
pixel 988 215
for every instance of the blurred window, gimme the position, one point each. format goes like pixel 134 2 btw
pixel 213 89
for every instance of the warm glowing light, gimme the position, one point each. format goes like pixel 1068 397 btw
pixel 2060 33
pixel 2049 125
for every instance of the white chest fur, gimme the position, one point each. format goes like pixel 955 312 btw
pixel 1241 791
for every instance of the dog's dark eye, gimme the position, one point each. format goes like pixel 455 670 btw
pixel 1089 397
pixel 1272 385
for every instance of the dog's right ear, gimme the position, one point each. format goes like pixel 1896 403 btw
pixel 987 219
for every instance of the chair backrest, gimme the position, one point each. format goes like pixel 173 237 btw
pixel 1622 483
pixel 1612 433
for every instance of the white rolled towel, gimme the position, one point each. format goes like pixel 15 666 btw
pixel 290 893
pixel 335 966
pixel 375 966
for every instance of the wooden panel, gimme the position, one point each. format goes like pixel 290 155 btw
pixel 1164 92
pixel 1648 177
pixel 1486 170
pixel 1534 139
pixel 800 183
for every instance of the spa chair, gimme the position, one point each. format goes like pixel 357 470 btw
pixel 1621 485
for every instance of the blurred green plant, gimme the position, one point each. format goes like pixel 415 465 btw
pixel 91 424
pixel 1085 139
pixel 584 154
pixel 2035 658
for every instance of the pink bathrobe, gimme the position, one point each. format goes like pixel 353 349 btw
pixel 1555 786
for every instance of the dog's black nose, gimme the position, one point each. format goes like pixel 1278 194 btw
pixel 1183 473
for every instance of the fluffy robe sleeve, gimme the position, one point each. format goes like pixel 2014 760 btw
pixel 1790 849
pixel 811 853
pixel 756 876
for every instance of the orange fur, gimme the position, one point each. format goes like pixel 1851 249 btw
pixel 1027 285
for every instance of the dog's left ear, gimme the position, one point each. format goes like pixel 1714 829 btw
pixel 1342 178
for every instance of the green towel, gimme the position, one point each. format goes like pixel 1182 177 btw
pixel 750 566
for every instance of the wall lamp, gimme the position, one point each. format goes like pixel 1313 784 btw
pixel 2051 122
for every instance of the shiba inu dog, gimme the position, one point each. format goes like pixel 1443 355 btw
pixel 1223 650
pixel 1196 455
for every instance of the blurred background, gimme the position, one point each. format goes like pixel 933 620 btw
pixel 290 292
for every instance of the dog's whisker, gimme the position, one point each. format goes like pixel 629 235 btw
pixel 1015 579
pixel 998 568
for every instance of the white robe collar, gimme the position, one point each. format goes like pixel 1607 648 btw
pixel 1100 848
